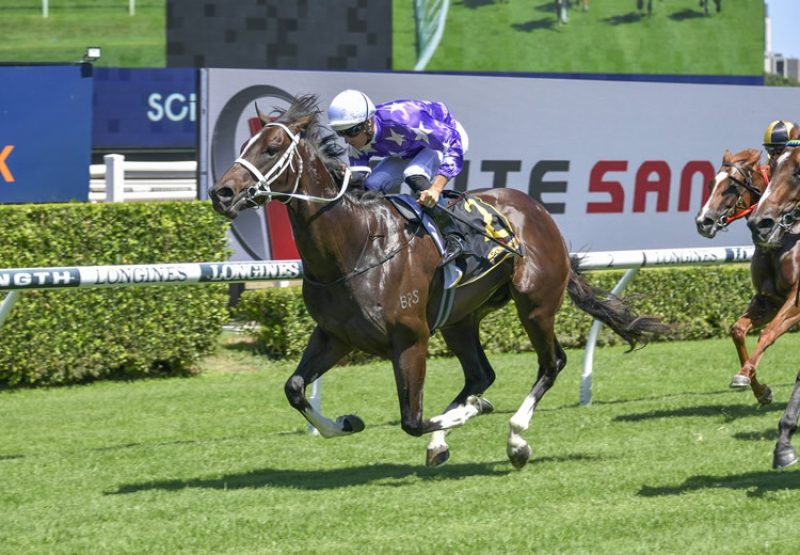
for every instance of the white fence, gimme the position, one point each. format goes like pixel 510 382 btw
pixel 119 180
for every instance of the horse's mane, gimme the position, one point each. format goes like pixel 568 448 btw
pixel 323 141
pixel 319 137
pixel 747 154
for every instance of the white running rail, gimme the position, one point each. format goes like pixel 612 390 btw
pixel 119 180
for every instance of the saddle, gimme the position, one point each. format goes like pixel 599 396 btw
pixel 488 236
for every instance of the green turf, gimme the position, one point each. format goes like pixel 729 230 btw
pixel 667 460
pixel 72 25
pixel 612 37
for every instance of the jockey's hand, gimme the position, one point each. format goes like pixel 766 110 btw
pixel 429 197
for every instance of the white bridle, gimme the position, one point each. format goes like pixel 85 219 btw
pixel 262 186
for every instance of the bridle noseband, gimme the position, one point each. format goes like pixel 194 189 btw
pixel 746 184
pixel 261 189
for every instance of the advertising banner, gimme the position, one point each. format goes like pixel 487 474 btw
pixel 144 108
pixel 45 133
pixel 619 165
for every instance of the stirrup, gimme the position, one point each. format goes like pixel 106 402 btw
pixel 452 250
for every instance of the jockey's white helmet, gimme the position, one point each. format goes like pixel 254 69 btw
pixel 349 108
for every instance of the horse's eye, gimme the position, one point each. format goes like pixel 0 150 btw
pixel 270 150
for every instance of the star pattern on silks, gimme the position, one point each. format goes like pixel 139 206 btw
pixel 397 107
pixel 396 137
pixel 422 133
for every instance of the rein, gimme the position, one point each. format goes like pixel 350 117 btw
pixel 748 185
pixel 262 189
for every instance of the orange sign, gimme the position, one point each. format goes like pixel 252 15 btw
pixel 8 177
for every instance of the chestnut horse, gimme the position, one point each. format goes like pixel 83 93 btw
pixel 775 226
pixel 736 189
pixel 372 281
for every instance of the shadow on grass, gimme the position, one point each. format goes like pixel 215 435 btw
pixel 624 19
pixel 547 24
pixel 322 479
pixel 757 484
pixel 10 457
pixel 729 412
pixel 683 15
pixel 771 434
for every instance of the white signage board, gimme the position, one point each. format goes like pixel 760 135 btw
pixel 620 165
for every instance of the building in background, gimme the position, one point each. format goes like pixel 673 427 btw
pixel 774 62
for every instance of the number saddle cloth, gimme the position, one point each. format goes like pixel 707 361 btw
pixel 488 236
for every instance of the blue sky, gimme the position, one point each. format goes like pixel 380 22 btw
pixel 784 14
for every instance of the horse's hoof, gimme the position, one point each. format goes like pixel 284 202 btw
pixel 351 424
pixel 437 456
pixel 784 457
pixel 485 406
pixel 519 456
pixel 740 382
pixel 765 398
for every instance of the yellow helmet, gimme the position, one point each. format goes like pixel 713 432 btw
pixel 777 134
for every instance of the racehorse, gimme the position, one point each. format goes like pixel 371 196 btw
pixel 775 226
pixel 371 281
pixel 735 191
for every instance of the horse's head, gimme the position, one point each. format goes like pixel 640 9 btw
pixel 734 190
pixel 778 211
pixel 273 162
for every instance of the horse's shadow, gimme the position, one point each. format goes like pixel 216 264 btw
pixel 624 19
pixel 547 24
pixel 757 484
pixel 683 15
pixel 316 480
pixel 729 412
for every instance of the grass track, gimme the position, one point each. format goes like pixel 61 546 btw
pixel 612 37
pixel 668 460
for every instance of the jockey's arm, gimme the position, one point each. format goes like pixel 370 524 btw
pixel 430 197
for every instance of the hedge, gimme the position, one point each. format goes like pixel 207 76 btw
pixel 75 335
pixel 702 302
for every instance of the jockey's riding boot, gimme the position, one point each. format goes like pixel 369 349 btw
pixel 453 247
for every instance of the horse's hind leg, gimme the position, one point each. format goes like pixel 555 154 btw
pixel 463 339
pixel 784 454
pixel 322 352
pixel 538 322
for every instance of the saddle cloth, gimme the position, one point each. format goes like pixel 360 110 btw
pixel 488 236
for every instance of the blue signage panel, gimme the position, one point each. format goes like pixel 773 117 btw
pixel 45 133
pixel 144 108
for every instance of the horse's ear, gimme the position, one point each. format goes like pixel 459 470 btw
pixel 264 118
pixel 726 158
pixel 301 124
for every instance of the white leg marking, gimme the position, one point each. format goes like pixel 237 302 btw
pixel 325 426
pixel 520 422
pixel 438 441
pixel 458 415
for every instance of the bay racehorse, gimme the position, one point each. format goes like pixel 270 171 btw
pixel 735 192
pixel 775 226
pixel 371 281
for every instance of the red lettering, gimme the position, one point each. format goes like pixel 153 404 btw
pixel 706 171
pixel 597 184
pixel 652 177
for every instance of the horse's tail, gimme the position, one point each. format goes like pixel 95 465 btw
pixel 613 311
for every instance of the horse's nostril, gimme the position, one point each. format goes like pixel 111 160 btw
pixel 224 193
pixel 766 223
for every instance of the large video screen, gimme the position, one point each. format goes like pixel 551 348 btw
pixel 645 37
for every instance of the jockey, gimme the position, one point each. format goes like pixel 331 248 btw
pixel 777 134
pixel 418 142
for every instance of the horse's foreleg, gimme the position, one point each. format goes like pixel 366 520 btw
pixel 787 316
pixel 759 312
pixel 784 454
pixel 463 339
pixel 322 352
